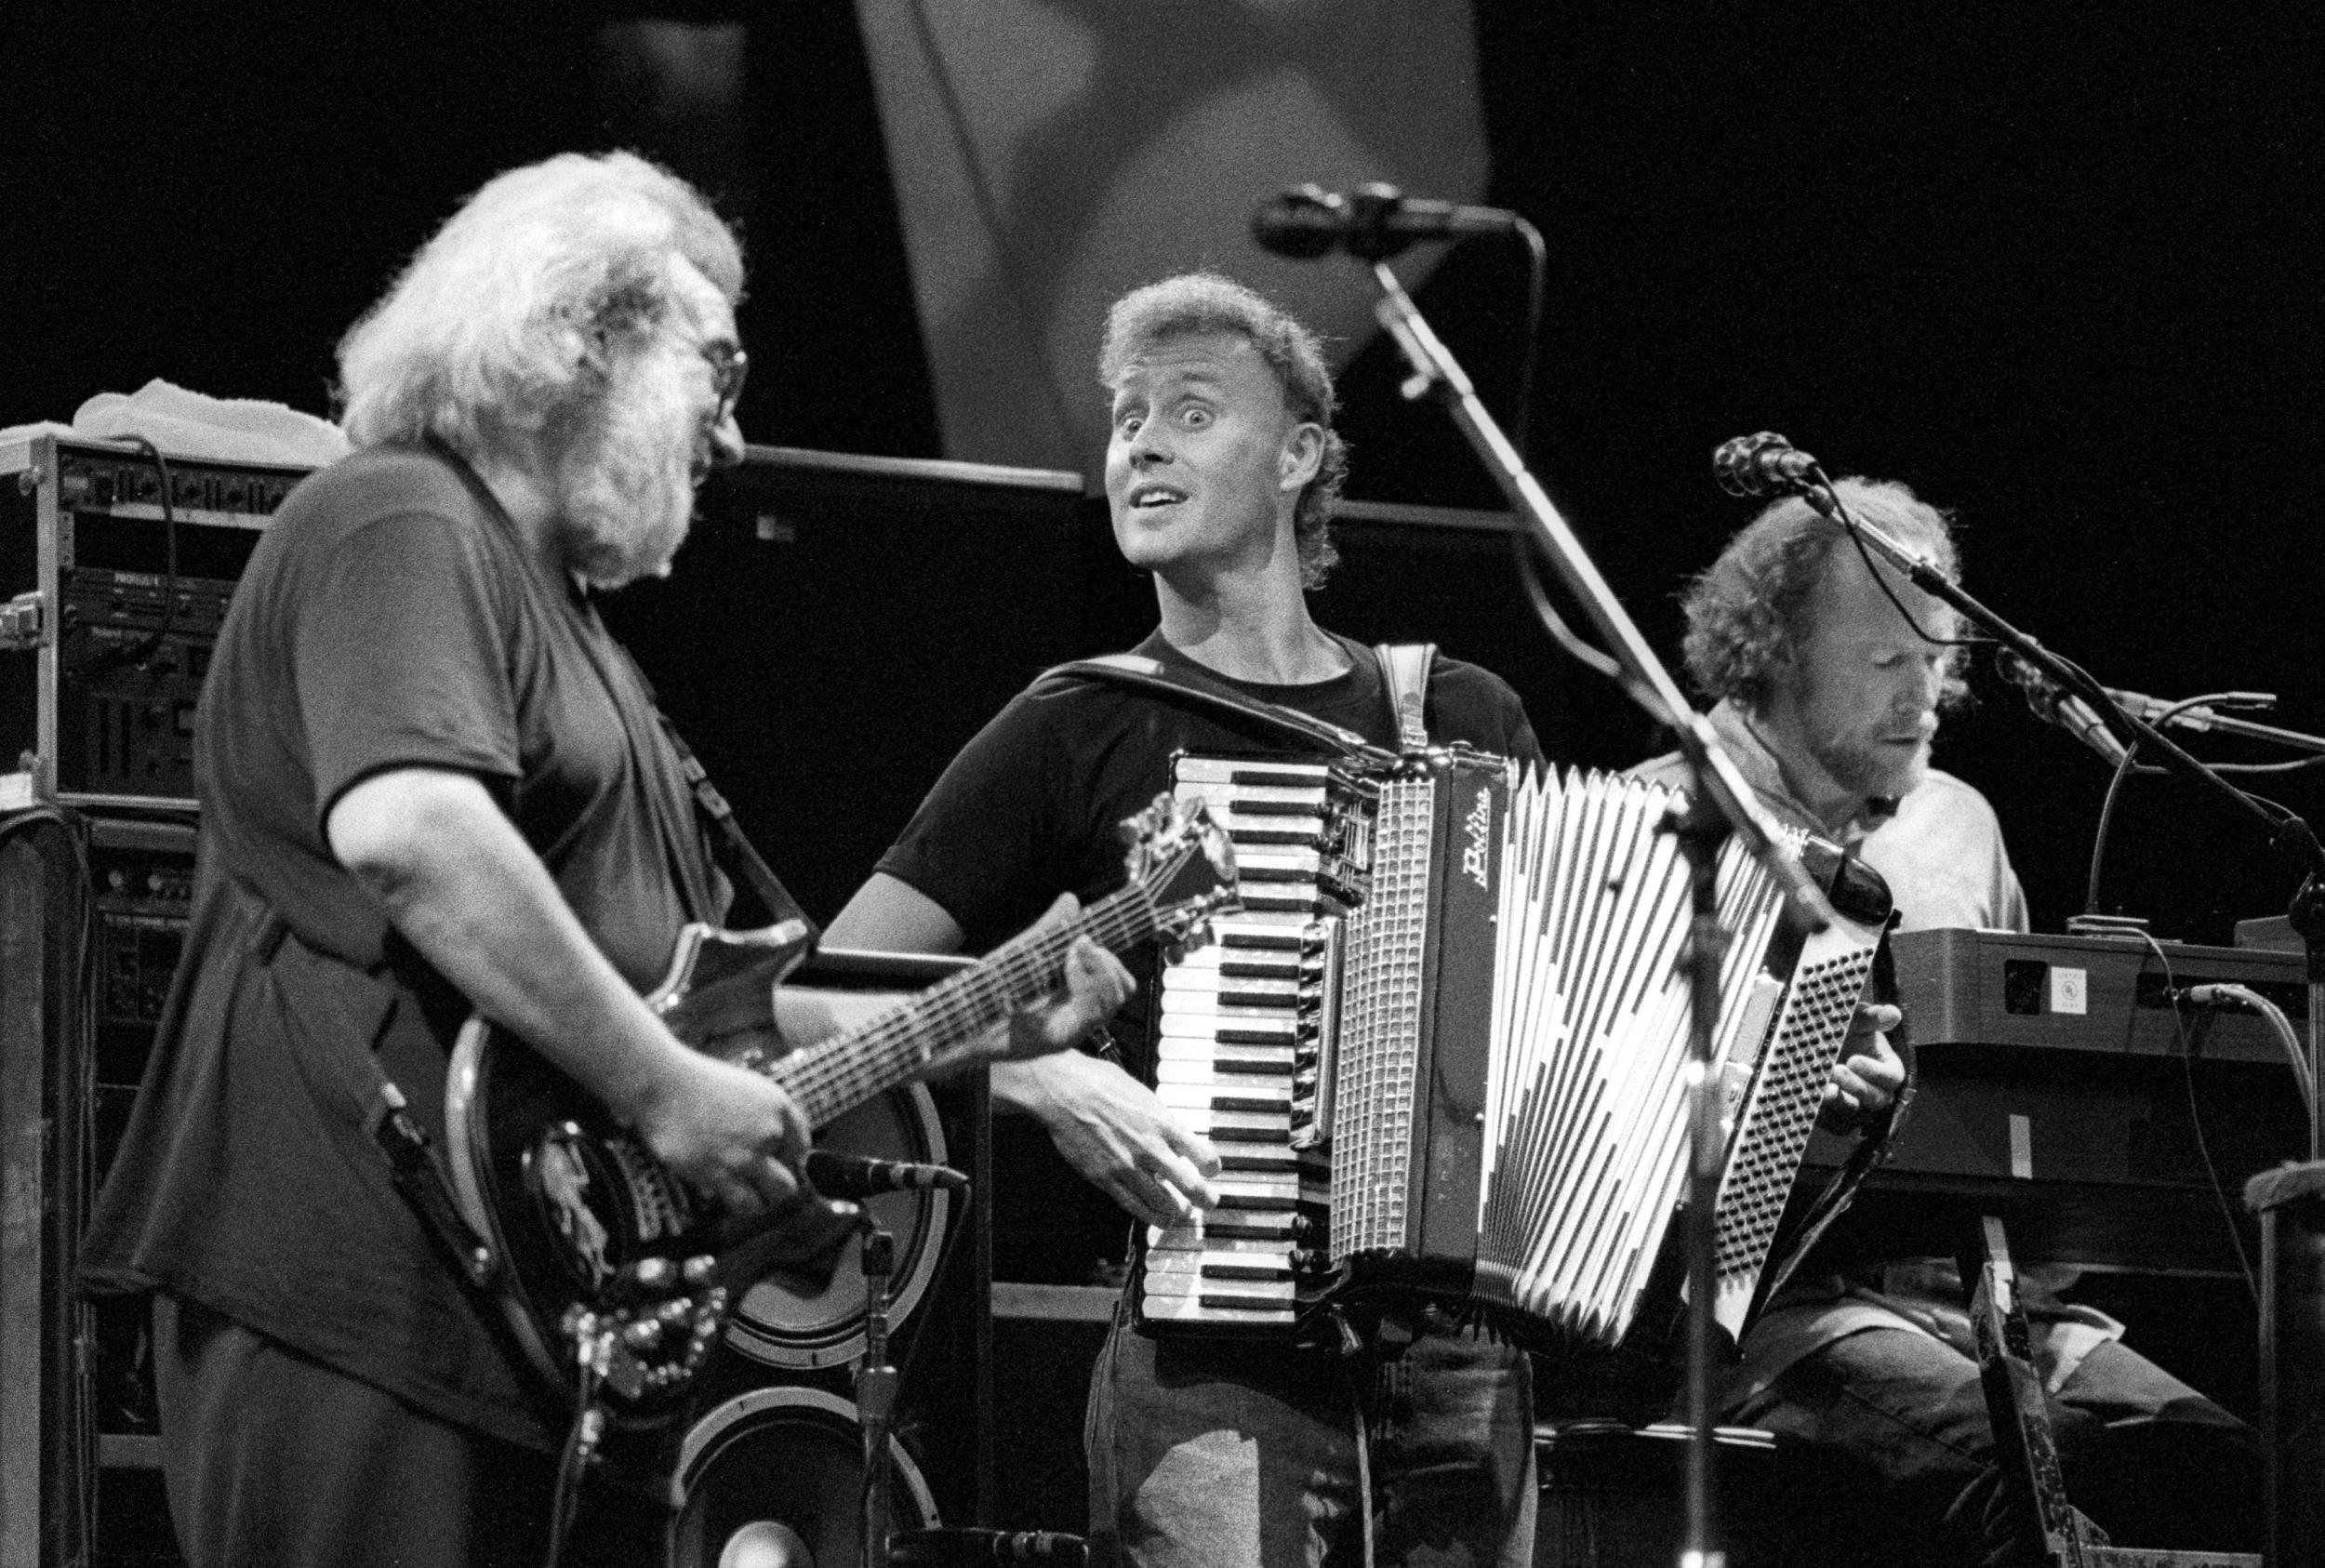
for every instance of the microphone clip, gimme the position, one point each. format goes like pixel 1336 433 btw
pixel 1372 236
pixel 2056 705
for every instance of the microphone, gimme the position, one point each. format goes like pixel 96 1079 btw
pixel 853 1175
pixel 1373 222
pixel 2056 706
pixel 2156 710
pixel 1761 465
pixel 968 1543
pixel 948 1548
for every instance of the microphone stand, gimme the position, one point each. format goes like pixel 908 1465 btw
pixel 2289 835
pixel 2205 719
pixel 2292 1344
pixel 1641 674
pixel 876 1394
pixel 1720 803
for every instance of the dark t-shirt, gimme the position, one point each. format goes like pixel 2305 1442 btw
pixel 1030 807
pixel 390 617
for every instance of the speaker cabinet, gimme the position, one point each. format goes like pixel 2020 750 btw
pixel 92 915
pixel 773 1477
pixel 838 627
pixel 1046 1339
pixel 792 1330
pixel 780 1390
pixel 47 1459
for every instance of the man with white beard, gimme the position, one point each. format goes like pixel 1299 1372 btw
pixel 431 783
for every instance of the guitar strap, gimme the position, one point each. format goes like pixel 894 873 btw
pixel 1172 683
pixel 730 845
pixel 743 855
pixel 413 1166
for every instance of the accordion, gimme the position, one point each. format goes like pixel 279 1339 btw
pixel 1442 1050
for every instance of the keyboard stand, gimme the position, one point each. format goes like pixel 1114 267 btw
pixel 2022 1427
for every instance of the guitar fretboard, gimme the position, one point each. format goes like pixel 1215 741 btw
pixel 948 1020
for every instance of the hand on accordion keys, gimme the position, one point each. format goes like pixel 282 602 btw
pixel 1867 1076
pixel 1116 1132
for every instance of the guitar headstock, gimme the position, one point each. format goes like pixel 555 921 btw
pixel 1183 861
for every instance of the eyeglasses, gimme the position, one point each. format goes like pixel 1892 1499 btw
pixel 729 367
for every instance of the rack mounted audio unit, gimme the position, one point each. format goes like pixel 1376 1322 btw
pixel 103 648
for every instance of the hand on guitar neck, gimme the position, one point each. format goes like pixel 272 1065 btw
pixel 1095 986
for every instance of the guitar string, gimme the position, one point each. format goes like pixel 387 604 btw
pixel 829 1077
pixel 850 1067
pixel 843 1070
pixel 904 1030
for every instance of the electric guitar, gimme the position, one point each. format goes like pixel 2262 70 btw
pixel 614 1275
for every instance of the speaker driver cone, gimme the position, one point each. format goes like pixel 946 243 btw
pixel 775 1479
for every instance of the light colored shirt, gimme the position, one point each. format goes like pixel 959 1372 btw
pixel 1939 847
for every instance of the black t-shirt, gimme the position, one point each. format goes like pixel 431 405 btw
pixel 1030 807
pixel 390 617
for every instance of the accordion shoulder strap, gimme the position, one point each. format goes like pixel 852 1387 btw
pixel 1141 673
pixel 1404 675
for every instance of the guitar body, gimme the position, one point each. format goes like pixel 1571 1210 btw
pixel 573 1204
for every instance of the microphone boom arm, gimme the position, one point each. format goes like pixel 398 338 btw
pixel 2127 726
pixel 2288 833
pixel 1641 674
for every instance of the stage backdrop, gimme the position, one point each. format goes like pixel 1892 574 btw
pixel 1048 156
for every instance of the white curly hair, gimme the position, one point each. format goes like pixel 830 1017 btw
pixel 502 321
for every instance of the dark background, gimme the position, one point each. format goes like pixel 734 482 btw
pixel 2054 266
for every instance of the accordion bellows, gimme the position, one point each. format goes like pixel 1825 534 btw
pixel 1445 1049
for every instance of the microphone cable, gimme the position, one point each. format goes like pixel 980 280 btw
pixel 1849 527
pixel 145 648
pixel 2131 764
pixel 1522 550
pixel 2196 1117
pixel 2228 993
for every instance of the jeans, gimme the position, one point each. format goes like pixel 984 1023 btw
pixel 1211 1455
pixel 1893 1456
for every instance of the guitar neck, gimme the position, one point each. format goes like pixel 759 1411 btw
pixel 948 1019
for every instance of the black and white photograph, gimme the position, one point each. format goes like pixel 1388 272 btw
pixel 1227 784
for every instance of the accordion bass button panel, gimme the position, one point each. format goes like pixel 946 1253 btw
pixel 1242 1025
